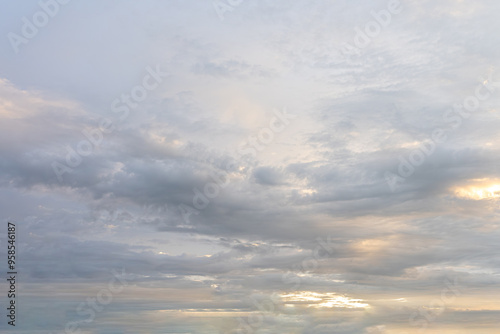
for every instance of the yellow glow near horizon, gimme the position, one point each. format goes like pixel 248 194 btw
pixel 481 189
pixel 320 300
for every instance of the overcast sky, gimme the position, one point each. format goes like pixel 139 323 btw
pixel 237 166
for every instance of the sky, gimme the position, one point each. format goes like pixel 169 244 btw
pixel 236 166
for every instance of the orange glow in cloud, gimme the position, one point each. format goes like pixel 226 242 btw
pixel 479 190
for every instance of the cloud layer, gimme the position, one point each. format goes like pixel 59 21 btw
pixel 253 167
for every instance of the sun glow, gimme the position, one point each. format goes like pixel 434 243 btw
pixel 321 300
pixel 479 190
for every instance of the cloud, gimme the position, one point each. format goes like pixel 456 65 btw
pixel 322 179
